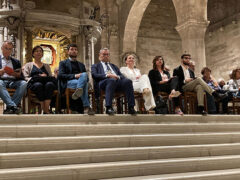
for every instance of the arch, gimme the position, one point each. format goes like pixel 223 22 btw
pixel 133 23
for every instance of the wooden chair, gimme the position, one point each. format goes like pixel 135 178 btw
pixel 33 102
pixel 68 94
pixel 236 105
pixel 118 96
pixel 139 98
pixel 165 96
pixel 190 102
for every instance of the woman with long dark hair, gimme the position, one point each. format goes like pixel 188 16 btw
pixel 161 81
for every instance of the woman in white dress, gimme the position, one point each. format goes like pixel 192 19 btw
pixel 141 83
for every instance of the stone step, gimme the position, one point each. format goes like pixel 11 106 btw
pixel 53 158
pixel 227 174
pixel 19 131
pixel 119 118
pixel 122 169
pixel 90 142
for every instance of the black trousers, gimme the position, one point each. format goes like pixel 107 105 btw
pixel 43 91
pixel 168 87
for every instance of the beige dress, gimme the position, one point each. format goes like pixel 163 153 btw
pixel 140 84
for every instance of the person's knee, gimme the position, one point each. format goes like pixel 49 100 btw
pixel 84 75
pixel 38 85
pixel 2 84
pixel 23 84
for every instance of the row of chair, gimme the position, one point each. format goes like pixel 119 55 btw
pixel 189 99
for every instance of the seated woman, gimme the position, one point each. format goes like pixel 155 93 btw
pixel 141 83
pixel 161 81
pixel 40 79
pixel 234 83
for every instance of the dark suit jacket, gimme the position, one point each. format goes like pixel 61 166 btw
pixel 98 75
pixel 65 73
pixel 155 77
pixel 179 73
pixel 16 64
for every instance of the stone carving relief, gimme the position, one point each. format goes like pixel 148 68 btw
pixel 29 5
pixel 113 30
pixel 13 24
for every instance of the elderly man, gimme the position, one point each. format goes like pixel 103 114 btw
pixel 108 77
pixel 11 77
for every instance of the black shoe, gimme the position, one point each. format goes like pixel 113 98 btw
pixel 89 111
pixel 110 111
pixel 132 111
pixel 202 111
pixel 219 96
pixel 12 110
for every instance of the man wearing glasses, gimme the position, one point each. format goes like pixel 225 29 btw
pixel 11 77
pixel 188 82
pixel 108 78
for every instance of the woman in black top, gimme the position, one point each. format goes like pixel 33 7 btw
pixel 40 79
pixel 161 81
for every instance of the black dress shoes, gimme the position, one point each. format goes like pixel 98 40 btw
pixel 12 110
pixel 202 111
pixel 110 111
pixel 132 111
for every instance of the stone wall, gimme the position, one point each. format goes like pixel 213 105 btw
pixel 157 36
pixel 223 50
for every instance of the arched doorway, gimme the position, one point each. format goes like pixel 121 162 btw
pixel 156 34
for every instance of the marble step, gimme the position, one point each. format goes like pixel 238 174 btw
pixel 53 158
pixel 93 142
pixel 122 169
pixel 226 174
pixel 119 118
pixel 19 131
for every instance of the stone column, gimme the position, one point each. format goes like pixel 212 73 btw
pixel 1 38
pixel 5 37
pixel 28 45
pixel 114 45
pixel 192 35
pixel 192 25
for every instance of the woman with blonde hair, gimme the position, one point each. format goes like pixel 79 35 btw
pixel 141 83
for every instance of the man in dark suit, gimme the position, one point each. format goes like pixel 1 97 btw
pixel 72 74
pixel 109 78
pixel 11 77
pixel 188 82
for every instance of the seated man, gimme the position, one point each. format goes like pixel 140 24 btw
pixel 188 82
pixel 221 95
pixel 108 78
pixel 72 74
pixel 11 77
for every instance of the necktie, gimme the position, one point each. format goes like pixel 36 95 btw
pixel 108 68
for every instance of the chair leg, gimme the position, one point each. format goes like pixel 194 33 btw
pixel 67 101
pixel 101 104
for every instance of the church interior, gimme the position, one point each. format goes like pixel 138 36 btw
pixel 123 147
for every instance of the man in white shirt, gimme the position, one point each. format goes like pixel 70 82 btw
pixel 188 82
pixel 11 77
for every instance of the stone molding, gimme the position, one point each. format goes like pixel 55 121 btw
pixel 192 23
